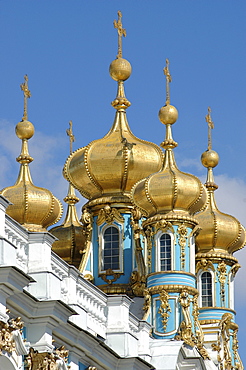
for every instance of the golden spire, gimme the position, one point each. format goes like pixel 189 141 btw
pixel 168 114
pixel 168 80
pixel 71 199
pixel 120 69
pixel 27 94
pixel 121 32
pixel 210 127
pixel 210 158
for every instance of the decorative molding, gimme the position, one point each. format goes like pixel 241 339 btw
pixel 234 269
pixel 147 304
pixel 172 289
pixel 138 278
pixel 7 330
pixel 164 226
pixel 149 237
pixel 204 264
pixel 164 309
pixel 109 272
pixel 56 360
pixel 176 217
pixel 137 283
pixel 182 239
pixel 198 330
pixel 109 215
pixel 221 271
pixel 185 329
pixel 227 330
pixel 87 222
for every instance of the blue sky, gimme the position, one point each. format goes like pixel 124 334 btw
pixel 66 47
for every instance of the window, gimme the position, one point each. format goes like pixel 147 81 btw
pixel 207 297
pixel 111 250
pixel 165 252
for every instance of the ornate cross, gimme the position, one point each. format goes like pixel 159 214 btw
pixel 168 80
pixel 210 127
pixel 27 94
pixel 69 132
pixel 121 32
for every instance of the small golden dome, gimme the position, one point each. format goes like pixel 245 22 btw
pixel 220 232
pixel 71 238
pixel 120 69
pixel 33 207
pixel 168 114
pixel 210 158
pixel 169 190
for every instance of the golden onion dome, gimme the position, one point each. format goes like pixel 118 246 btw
pixel 33 207
pixel 106 169
pixel 71 244
pixel 169 190
pixel 71 240
pixel 220 232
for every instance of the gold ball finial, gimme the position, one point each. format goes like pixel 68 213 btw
pixel 120 69
pixel 24 130
pixel 210 158
pixel 168 114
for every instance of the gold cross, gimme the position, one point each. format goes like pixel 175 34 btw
pixel 121 32
pixel 27 94
pixel 168 80
pixel 69 132
pixel 210 127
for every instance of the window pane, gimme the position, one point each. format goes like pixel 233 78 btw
pixel 165 252
pixel 206 280
pixel 111 249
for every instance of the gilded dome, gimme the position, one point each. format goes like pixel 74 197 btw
pixel 71 240
pixel 220 232
pixel 33 207
pixel 106 169
pixel 169 190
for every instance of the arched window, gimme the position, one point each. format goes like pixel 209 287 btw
pixel 111 250
pixel 206 294
pixel 165 252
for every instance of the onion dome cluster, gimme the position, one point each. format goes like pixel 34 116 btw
pixel 220 232
pixel 33 207
pixel 106 169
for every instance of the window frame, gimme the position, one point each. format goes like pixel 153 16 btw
pixel 101 248
pixel 201 272
pixel 158 251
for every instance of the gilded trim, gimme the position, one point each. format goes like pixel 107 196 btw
pixel 172 289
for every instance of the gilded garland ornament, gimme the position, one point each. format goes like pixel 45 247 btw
pixel 182 238
pixel 164 309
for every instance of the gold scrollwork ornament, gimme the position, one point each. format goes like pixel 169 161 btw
pixel 109 215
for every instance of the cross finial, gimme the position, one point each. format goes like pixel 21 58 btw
pixel 121 32
pixel 27 94
pixel 168 80
pixel 69 132
pixel 210 127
